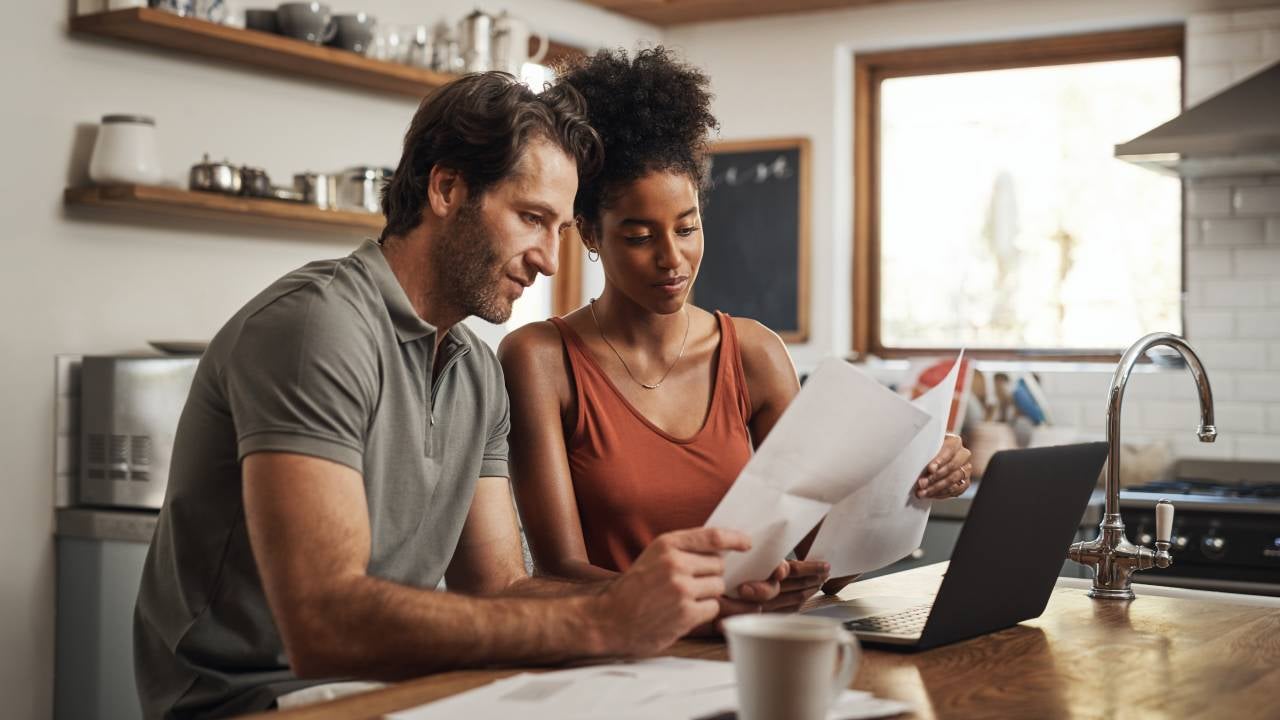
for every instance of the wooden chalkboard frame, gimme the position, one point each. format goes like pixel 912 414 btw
pixel 801 332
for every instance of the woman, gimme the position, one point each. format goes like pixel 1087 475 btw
pixel 633 415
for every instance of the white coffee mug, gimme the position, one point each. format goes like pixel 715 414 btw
pixel 789 666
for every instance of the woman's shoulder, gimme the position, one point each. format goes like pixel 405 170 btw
pixel 756 340
pixel 766 364
pixel 531 346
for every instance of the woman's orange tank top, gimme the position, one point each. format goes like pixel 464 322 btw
pixel 633 481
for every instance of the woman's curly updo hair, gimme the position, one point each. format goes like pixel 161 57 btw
pixel 653 113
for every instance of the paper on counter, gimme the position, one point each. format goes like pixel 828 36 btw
pixel 666 688
pixel 837 435
pixel 883 521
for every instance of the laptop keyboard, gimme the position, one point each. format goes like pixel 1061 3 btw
pixel 904 622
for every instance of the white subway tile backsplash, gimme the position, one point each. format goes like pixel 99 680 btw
pixel 1273 419
pixel 1233 355
pixel 1259 200
pixel 1187 445
pixel 1258 386
pixel 1166 415
pixel 1271 43
pixel 1274 357
pixel 1247 68
pixel 1210 325
pixel 1232 293
pixel 1258 447
pixel 1081 385
pixel 1233 231
pixel 1068 413
pixel 1209 201
pixel 1258 324
pixel 1239 417
pixel 1208 262
pixel 1258 261
pixel 1231 46
pixel 1226 181
pixel 1245 19
pixel 1205 82
pixel 1222 382
pixel 1202 23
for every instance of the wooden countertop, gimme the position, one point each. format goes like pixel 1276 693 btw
pixel 1154 657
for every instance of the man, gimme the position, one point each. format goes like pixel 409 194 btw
pixel 343 448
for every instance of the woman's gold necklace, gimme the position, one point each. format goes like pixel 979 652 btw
pixel 646 386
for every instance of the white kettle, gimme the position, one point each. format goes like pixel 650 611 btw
pixel 511 37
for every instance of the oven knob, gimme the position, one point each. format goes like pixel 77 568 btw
pixel 1213 546
pixel 1180 542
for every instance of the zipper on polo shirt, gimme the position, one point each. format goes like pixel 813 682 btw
pixel 435 381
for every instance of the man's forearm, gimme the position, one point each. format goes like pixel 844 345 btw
pixel 378 629
pixel 554 586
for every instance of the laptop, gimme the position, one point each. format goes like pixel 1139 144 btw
pixel 1006 561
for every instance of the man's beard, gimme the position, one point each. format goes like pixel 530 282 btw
pixel 469 271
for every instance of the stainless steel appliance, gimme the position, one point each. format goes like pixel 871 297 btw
pixel 1226 536
pixel 129 409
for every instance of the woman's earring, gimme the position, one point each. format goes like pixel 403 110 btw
pixel 593 254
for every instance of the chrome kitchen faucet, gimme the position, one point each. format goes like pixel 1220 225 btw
pixel 1113 558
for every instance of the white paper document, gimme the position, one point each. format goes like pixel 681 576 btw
pixel 666 688
pixel 838 435
pixel 883 521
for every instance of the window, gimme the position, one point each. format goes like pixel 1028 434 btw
pixel 989 209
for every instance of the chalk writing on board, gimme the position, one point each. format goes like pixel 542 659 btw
pixel 760 172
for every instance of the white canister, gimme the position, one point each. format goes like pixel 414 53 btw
pixel 125 151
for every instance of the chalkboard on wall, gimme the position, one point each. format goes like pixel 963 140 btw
pixel 756 235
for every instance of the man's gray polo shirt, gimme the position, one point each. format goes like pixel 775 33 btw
pixel 331 361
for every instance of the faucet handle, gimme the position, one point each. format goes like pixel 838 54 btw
pixel 1164 521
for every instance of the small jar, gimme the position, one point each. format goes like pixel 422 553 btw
pixel 125 151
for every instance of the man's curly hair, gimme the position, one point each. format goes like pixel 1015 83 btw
pixel 653 113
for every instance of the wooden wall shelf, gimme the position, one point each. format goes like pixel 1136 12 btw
pixel 175 202
pixel 259 49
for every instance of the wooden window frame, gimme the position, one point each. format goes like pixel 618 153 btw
pixel 870 69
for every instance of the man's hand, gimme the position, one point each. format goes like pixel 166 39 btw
pixel 836 584
pixel 947 474
pixel 674 586
pixel 801 581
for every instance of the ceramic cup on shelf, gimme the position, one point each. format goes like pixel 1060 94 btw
pixel 307 21
pixel 788 666
pixel 354 32
pixel 125 151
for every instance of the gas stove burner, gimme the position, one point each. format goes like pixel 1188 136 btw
pixel 1213 488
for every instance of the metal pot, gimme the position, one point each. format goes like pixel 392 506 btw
pixel 220 177
pixel 360 188
pixel 317 189
pixel 254 182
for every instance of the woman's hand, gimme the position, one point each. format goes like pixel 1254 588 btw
pixel 947 474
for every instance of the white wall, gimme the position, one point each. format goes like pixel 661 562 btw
pixel 75 283
pixel 792 76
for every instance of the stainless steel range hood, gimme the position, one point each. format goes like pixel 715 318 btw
pixel 1236 132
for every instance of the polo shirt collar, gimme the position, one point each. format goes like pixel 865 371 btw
pixel 408 324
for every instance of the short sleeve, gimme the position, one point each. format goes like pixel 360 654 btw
pixel 495 463
pixel 302 378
